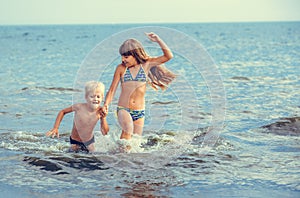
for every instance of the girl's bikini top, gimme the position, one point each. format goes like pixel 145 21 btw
pixel 140 77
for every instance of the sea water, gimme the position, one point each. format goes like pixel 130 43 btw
pixel 257 65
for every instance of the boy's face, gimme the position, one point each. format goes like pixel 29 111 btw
pixel 128 61
pixel 94 99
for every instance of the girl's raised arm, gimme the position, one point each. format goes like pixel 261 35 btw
pixel 167 52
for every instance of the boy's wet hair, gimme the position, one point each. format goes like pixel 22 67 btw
pixel 91 86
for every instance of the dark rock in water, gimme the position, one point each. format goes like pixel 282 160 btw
pixel 57 164
pixel 51 89
pixel 44 164
pixel 240 78
pixel 285 126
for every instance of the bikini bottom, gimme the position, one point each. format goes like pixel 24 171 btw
pixel 135 114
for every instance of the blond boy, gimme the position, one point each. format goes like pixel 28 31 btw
pixel 85 119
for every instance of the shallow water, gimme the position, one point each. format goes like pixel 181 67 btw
pixel 258 65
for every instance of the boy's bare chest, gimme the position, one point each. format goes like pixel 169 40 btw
pixel 86 118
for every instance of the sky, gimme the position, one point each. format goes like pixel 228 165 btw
pixel 24 12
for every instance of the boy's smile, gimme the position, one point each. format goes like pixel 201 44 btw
pixel 94 99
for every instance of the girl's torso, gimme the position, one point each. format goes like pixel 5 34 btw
pixel 133 85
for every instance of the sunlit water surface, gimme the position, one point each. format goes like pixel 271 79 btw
pixel 259 65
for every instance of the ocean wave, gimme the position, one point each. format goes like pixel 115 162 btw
pixel 151 150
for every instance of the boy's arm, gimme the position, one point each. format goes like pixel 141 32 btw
pixel 103 122
pixel 104 126
pixel 60 116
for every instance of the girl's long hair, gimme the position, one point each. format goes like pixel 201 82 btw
pixel 159 76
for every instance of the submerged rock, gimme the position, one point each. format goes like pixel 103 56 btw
pixel 285 126
pixel 240 78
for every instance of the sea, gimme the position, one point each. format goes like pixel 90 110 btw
pixel 204 136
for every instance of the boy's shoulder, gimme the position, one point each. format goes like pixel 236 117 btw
pixel 79 105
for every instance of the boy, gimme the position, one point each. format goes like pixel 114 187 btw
pixel 85 119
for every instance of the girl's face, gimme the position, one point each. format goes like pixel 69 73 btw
pixel 128 61
pixel 94 99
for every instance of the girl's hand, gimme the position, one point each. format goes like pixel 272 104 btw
pixel 153 37
pixel 53 132
pixel 103 111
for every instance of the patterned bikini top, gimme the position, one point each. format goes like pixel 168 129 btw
pixel 140 77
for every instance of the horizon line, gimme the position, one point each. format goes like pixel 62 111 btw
pixel 139 23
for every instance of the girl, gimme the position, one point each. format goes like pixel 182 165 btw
pixel 135 70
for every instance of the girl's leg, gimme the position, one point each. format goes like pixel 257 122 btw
pixel 126 124
pixel 138 126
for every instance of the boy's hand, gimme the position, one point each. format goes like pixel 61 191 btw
pixel 53 133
